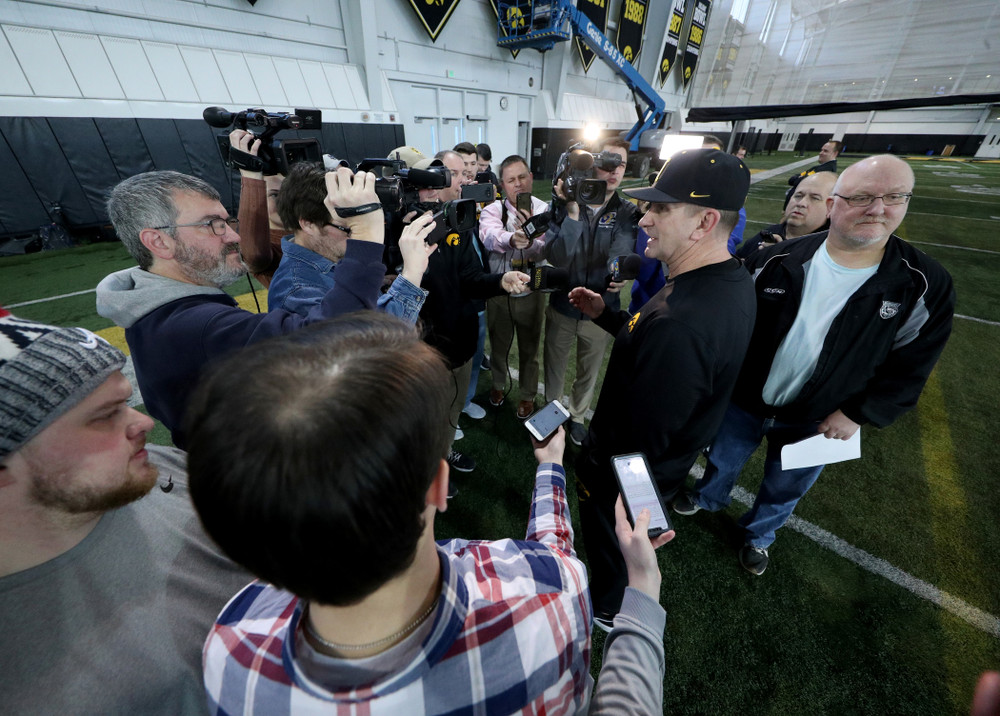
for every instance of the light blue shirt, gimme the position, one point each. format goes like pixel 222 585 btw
pixel 303 277
pixel 825 292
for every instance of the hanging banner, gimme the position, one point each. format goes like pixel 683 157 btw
pixel 434 14
pixel 597 12
pixel 696 36
pixel 504 27
pixel 673 38
pixel 631 23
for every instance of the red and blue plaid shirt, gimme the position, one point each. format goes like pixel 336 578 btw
pixel 511 634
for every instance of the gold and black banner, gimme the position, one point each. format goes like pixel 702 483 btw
pixel 512 16
pixel 673 38
pixel 434 14
pixel 696 36
pixel 597 12
pixel 631 24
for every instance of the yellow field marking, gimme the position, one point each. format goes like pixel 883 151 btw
pixel 116 336
pixel 949 529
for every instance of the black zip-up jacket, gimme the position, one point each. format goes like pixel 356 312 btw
pixel 880 349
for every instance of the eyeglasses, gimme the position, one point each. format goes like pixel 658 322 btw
pixel 868 199
pixel 345 229
pixel 218 225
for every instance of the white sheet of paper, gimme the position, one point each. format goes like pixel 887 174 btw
pixel 820 450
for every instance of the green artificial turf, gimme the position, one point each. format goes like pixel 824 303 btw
pixel 816 633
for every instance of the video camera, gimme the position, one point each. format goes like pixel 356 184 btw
pixel 275 156
pixel 398 187
pixel 576 169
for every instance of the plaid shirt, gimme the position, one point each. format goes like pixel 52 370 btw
pixel 511 634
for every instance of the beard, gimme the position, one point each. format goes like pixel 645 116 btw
pixel 60 489
pixel 206 269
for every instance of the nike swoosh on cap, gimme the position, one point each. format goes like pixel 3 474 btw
pixel 699 196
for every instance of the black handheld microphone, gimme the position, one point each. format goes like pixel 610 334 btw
pixel 537 225
pixel 624 268
pixel 548 279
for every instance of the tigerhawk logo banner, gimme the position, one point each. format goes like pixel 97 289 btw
pixel 434 14
pixel 597 12
pixel 696 36
pixel 673 37
pixel 509 17
pixel 631 25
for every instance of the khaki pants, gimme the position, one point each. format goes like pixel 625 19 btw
pixel 504 315
pixel 591 341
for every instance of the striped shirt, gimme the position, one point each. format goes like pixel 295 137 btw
pixel 511 634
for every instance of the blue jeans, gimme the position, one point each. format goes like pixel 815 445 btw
pixel 477 360
pixel 738 437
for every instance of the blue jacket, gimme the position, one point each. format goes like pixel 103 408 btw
pixel 175 329
pixel 303 277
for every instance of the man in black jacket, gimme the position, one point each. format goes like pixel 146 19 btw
pixel 828 154
pixel 850 323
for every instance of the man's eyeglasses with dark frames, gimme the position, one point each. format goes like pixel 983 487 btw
pixel 345 229
pixel 218 225
pixel 868 199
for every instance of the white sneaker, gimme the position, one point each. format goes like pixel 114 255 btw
pixel 476 412
pixel 459 434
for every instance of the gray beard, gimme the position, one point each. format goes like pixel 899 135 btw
pixel 207 270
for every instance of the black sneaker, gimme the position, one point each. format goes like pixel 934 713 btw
pixel 577 432
pixel 753 559
pixel 452 490
pixel 684 504
pixel 460 462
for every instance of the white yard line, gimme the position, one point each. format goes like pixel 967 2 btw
pixel 50 298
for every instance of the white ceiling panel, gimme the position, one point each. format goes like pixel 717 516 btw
pixel 42 61
pixel 12 80
pixel 236 75
pixel 171 72
pixel 205 74
pixel 292 82
pixel 319 87
pixel 272 94
pixel 343 95
pixel 89 65
pixel 132 68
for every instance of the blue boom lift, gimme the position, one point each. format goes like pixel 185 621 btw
pixel 541 24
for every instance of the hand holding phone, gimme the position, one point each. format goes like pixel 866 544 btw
pixel 546 420
pixel 639 491
pixel 639 550
pixel 523 202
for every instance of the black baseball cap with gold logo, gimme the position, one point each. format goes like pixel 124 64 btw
pixel 706 177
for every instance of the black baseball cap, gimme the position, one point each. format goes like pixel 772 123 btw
pixel 706 177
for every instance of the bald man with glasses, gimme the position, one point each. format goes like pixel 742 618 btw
pixel 850 323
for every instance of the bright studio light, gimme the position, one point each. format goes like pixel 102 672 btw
pixel 673 143
pixel 591 132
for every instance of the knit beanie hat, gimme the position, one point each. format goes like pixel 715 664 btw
pixel 45 371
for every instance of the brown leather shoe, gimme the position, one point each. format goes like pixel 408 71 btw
pixel 496 397
pixel 524 409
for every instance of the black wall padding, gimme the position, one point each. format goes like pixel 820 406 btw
pixel 90 162
pixel 44 163
pixel 126 146
pixel 19 204
pixel 74 161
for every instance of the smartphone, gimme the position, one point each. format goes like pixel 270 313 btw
pixel 523 202
pixel 546 420
pixel 480 193
pixel 639 490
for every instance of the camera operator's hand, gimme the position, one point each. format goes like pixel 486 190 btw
pixel 639 551
pixel 552 448
pixel 413 248
pixel 515 282
pixel 345 189
pixel 246 142
pixel 572 208
pixel 587 302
